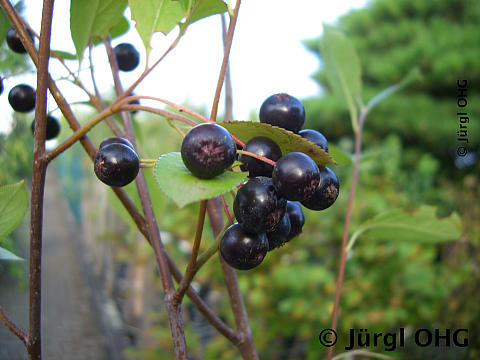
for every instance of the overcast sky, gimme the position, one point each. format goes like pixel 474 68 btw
pixel 267 54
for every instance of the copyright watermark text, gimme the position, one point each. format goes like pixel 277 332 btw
pixel 390 341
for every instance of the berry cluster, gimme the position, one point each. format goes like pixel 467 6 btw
pixel 267 206
pixel 22 97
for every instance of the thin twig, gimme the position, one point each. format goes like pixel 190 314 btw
pixel 256 156
pixel 174 312
pixel 191 267
pixel 346 228
pixel 13 328
pixel 362 352
pixel 226 55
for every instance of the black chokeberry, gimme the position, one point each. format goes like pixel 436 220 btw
pixel 127 56
pixel 116 164
pixel 262 146
pixel 297 219
pixel 242 250
pixel 284 111
pixel 208 150
pixel 22 98
pixel 14 42
pixel 1 86
pixel 53 127
pixel 279 236
pixel 116 140
pixel 326 192
pixel 257 206
pixel 315 137
pixel 296 176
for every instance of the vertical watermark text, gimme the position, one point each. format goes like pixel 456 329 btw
pixel 463 119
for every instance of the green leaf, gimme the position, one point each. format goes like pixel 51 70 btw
pixel 422 226
pixel 341 157
pixel 93 19
pixel 64 55
pixel 181 186
pixel 4 26
pixel 13 205
pixel 7 255
pixel 155 15
pixel 286 140
pixel 203 8
pixel 342 67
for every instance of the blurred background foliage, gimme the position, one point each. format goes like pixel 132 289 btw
pixel 408 159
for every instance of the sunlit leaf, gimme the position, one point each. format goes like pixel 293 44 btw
pixel 93 19
pixel 342 67
pixel 178 183
pixel 155 15
pixel 286 140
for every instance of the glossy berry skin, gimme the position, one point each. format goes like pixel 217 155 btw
pixel 208 150
pixel 242 250
pixel 14 42
pixel 297 219
pixel 262 146
pixel 279 236
pixel 296 176
pixel 284 111
pixel 257 206
pixel 22 98
pixel 116 140
pixel 53 127
pixel 1 86
pixel 326 192
pixel 116 165
pixel 315 137
pixel 127 56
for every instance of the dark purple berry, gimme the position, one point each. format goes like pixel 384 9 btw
pixel 116 140
pixel 257 206
pixel 22 98
pixel 208 150
pixel 127 56
pixel 297 219
pixel 296 176
pixel 262 146
pixel 53 127
pixel 14 42
pixel 284 111
pixel 315 137
pixel 279 236
pixel 1 86
pixel 116 164
pixel 134 102
pixel 326 192
pixel 242 250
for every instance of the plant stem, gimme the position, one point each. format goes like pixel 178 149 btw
pixel 346 228
pixel 226 54
pixel 256 156
pixel 247 347
pixel 191 267
pixel 38 186
pixel 173 311
pixel 13 328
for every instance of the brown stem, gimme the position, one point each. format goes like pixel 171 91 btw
pixel 174 312
pixel 256 156
pixel 228 80
pixel 13 327
pixel 247 347
pixel 38 186
pixel 191 267
pixel 346 228
pixel 226 54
